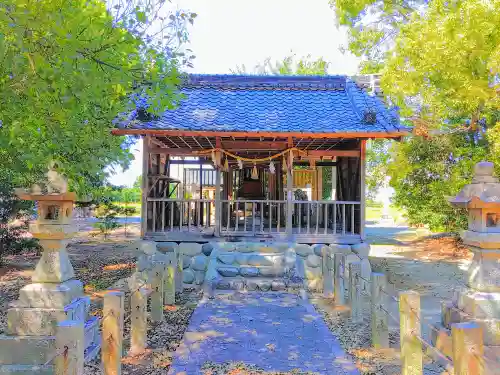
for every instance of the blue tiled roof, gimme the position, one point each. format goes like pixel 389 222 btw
pixel 327 104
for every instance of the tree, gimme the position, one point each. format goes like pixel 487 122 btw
pixel 288 66
pixel 373 26
pixel 439 62
pixel 69 68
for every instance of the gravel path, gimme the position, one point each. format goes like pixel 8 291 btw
pixel 273 331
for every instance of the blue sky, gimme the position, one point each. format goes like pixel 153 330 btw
pixel 231 33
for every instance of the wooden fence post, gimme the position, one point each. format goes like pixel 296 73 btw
pixel 112 332
pixel 70 343
pixel 339 286
pixel 169 280
pixel 327 266
pixel 355 292
pixel 138 320
pixel 157 291
pixel 468 349
pixel 379 319
pixel 410 328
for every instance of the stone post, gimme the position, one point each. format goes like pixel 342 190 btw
pixel 112 332
pixel 468 350
pixel 379 319
pixel 70 340
pixel 327 267
pixel 355 292
pixel 169 278
pixel 157 291
pixel 411 347
pixel 339 286
pixel 138 321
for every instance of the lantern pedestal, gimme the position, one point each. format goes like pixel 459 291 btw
pixel 53 297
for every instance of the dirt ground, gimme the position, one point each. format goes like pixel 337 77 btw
pixel 434 266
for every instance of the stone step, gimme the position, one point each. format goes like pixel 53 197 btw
pixel 258 283
pixel 50 295
pixel 251 271
pixel 38 321
pixel 26 370
pixel 27 350
pixel 37 350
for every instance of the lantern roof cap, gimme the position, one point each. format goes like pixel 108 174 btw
pixel 482 191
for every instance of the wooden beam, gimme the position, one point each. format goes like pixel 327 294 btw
pixel 311 153
pixel 200 133
pixel 331 153
pixel 253 145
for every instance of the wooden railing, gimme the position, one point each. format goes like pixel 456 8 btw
pixel 325 217
pixel 180 214
pixel 249 217
pixel 253 216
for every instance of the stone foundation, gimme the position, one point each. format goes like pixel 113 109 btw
pixel 259 266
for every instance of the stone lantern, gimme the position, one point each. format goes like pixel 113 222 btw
pixel 480 302
pixel 54 296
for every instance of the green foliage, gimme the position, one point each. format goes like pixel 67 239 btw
pixel 425 172
pixel 14 214
pixel 288 66
pixel 377 161
pixel 439 62
pixel 69 68
pixel 107 214
pixel 449 58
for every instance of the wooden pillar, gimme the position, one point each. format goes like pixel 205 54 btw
pixel 218 206
pixel 334 181
pixel 289 191
pixel 362 207
pixel 145 184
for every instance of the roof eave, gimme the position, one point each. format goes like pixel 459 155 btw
pixel 195 133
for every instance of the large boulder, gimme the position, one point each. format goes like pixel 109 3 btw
pixel 167 247
pixel 188 276
pixel 146 247
pixel 226 258
pixel 289 258
pixel 277 285
pixel 303 250
pixel 249 271
pixel 260 260
pixel 190 248
pixel 241 259
pixel 313 260
pixel 362 249
pixel 207 248
pixel 264 285
pixel 186 261
pixel 199 277
pixel 225 246
pixel 318 249
pixel 339 248
pixel 199 263
pixel 228 271
pixel 272 271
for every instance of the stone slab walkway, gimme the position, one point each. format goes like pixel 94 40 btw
pixel 274 331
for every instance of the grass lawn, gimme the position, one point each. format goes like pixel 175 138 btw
pixel 374 213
